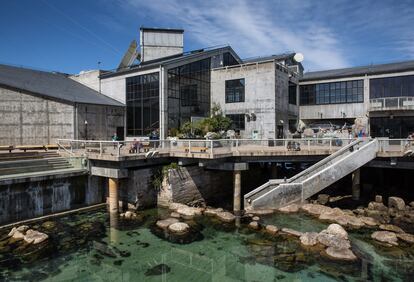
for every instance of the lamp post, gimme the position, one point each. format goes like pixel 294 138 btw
pixel 86 129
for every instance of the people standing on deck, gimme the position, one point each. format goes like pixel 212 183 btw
pixel 135 147
pixel 115 139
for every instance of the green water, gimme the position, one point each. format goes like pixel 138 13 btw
pixel 82 247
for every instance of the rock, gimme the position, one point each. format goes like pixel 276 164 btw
pixel 256 218
pixel 21 229
pixel 392 228
pixel 377 206
pixel 397 203
pixel 271 229
pixel 212 212
pixel 342 218
pixel 323 199
pixel 378 199
pixel 261 212
pixel 337 230
pixel 188 212
pixel 340 254
pixel 254 225
pixel 309 239
pixel 315 209
pixel 49 225
pixel 369 221
pixel 179 228
pixel 176 206
pixel 412 204
pixel 292 232
pixel 290 208
pixel 385 237
pixel 11 233
pixel 35 237
pixel 331 240
pixel 163 224
pixel 17 235
pixel 129 214
pixel 175 215
pixel 380 216
pixel 408 238
pixel 226 216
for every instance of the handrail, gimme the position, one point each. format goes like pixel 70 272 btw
pixel 64 149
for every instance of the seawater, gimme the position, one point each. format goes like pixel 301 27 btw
pixel 83 247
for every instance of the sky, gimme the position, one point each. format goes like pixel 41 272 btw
pixel 74 35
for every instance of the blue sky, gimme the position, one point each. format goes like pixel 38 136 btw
pixel 70 36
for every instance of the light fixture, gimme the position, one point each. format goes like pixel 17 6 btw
pixel 86 122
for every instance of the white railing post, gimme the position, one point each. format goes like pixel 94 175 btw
pixel 100 149
pixel 330 145
pixel 189 146
pixel 71 149
pixel 119 149
pixel 308 145
pixel 211 148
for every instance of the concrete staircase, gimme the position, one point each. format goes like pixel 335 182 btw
pixel 277 193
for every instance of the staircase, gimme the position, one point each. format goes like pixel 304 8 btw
pixel 277 193
pixel 21 164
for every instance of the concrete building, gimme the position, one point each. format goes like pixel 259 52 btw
pixel 259 96
pixel 37 108
pixel 383 93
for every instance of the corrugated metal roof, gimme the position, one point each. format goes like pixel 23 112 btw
pixel 278 57
pixel 359 71
pixel 54 85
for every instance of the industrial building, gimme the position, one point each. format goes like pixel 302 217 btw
pixel 37 108
pixel 384 94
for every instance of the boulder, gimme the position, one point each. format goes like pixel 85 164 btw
pixel 175 215
pixel 189 212
pixel 176 206
pixel 369 221
pixel 226 216
pixel 378 199
pixel 387 237
pixel 255 218
pixel 179 228
pixel 408 238
pixel 290 208
pixel 380 216
pixel 271 229
pixel 337 230
pixel 340 254
pixel 21 229
pixel 35 237
pixel 396 203
pixel 392 228
pixel 377 206
pixel 164 223
pixel 17 235
pixel 130 215
pixel 331 240
pixel 254 225
pixel 292 232
pixel 323 199
pixel 261 212
pixel 212 212
pixel 315 209
pixel 309 238
pixel 412 204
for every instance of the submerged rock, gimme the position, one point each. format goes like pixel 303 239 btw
pixel 292 232
pixel 34 237
pixel 271 229
pixel 164 223
pixel 290 208
pixel 158 270
pixel 330 240
pixel 309 238
pixel 341 254
pixel 387 237
pixel 179 228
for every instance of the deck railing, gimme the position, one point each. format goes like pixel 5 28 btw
pixel 391 103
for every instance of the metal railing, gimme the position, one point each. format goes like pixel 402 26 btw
pixel 208 148
pixel 391 103
pixel 395 145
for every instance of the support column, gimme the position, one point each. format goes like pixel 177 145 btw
pixel 113 195
pixel 237 192
pixel 356 184
pixel 273 173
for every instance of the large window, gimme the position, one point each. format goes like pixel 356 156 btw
pixel 391 87
pixel 142 101
pixel 292 94
pixel 188 92
pixel 332 93
pixel 237 121
pixel 235 90
pixel 229 60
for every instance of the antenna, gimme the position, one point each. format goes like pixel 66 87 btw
pixel 298 57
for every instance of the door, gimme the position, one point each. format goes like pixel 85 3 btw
pixel 280 134
pixel 120 133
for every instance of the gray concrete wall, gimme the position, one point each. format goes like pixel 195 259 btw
pixel 32 199
pixel 30 120
pixel 88 78
pixel 266 95
pixel 102 121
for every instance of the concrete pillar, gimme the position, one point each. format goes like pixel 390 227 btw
pixel 113 195
pixel 237 192
pixel 356 184
pixel 273 171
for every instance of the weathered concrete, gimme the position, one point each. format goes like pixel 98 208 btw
pixel 356 184
pixel 237 192
pixel 113 195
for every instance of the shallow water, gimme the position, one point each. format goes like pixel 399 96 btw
pixel 82 247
